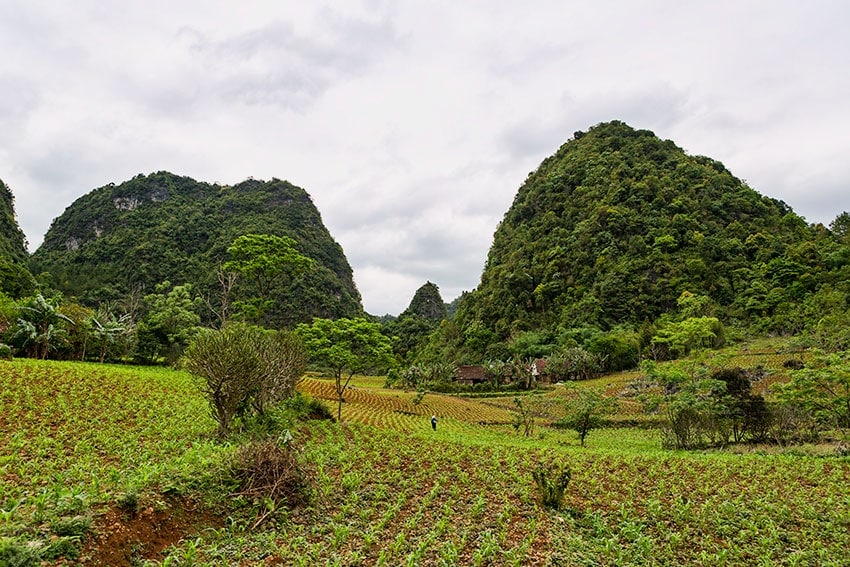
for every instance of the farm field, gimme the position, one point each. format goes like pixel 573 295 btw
pixel 113 465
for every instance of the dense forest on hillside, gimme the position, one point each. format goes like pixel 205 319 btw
pixel 15 280
pixel 613 229
pixel 618 247
pixel 162 227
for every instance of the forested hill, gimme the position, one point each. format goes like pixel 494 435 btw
pixel 164 227
pixel 15 280
pixel 12 241
pixel 614 227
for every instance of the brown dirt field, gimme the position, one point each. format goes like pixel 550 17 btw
pixel 119 539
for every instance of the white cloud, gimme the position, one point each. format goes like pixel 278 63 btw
pixel 413 124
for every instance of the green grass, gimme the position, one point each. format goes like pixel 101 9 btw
pixel 387 490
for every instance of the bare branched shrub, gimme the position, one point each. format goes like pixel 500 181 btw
pixel 267 470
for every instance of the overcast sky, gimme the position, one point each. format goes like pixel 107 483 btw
pixel 412 124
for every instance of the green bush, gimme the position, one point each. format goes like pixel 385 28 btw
pixel 5 352
pixel 552 480
pixel 74 526
pixel 244 370
pixel 306 407
pixel 129 503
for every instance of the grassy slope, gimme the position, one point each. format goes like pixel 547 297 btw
pixel 388 490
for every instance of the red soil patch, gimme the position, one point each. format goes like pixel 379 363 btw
pixel 119 539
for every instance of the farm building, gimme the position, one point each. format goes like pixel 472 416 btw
pixel 470 374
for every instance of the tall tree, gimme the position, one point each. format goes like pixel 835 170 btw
pixel 585 411
pixel 171 322
pixel 346 347
pixel 841 227
pixel 265 258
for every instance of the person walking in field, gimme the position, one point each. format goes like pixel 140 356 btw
pixel 434 422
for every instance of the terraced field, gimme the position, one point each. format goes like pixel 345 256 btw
pixel 396 410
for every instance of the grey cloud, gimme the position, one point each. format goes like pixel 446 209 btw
pixel 60 166
pixel 19 98
pixel 658 107
pixel 440 247
pixel 275 65
pixel 413 124
pixel 819 198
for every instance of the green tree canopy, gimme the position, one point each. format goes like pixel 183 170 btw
pixel 614 227
pixel 170 323
pixel 346 347
pixel 266 258
pixel 161 226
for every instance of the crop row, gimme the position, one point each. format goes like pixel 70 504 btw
pixel 390 498
pixel 73 435
pixel 387 490
pixel 403 403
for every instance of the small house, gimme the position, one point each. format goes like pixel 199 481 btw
pixel 470 374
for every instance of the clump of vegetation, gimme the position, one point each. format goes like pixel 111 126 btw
pixel 16 553
pixel 552 480
pixel 129 503
pixel 694 405
pixel 746 413
pixel 701 407
pixel 823 390
pixel 437 376
pixel 573 363
pixel 307 407
pixel 268 473
pixel 39 330
pixel 71 526
pixel 244 370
